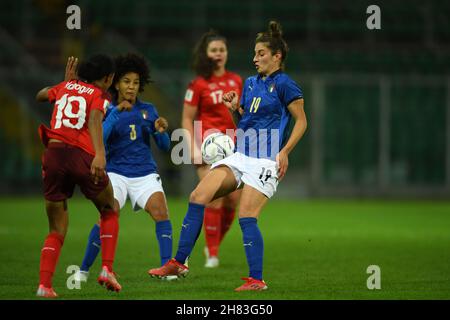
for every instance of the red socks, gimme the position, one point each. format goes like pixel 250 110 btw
pixel 217 222
pixel 49 258
pixel 227 220
pixel 213 222
pixel 109 230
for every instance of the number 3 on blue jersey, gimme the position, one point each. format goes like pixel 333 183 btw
pixel 255 104
pixel 133 132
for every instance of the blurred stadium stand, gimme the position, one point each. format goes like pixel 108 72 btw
pixel 378 102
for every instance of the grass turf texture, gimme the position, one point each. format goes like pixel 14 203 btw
pixel 313 250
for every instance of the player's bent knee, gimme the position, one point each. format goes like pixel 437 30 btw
pixel 198 197
pixel 158 213
pixel 248 213
pixel 160 216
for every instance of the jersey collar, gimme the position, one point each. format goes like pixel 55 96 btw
pixel 272 75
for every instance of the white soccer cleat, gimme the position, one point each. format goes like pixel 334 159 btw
pixel 212 262
pixel 81 276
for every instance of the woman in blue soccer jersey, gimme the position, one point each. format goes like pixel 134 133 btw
pixel 269 101
pixel 128 126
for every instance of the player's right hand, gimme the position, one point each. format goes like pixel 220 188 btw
pixel 71 69
pixel 98 168
pixel 124 105
pixel 231 100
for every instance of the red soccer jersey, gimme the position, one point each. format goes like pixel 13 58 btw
pixel 206 95
pixel 74 101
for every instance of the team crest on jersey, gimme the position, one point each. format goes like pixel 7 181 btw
pixel 106 105
pixel 231 83
pixel 144 114
pixel 272 87
pixel 189 95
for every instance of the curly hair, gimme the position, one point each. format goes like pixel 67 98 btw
pixel 201 63
pixel 130 62
pixel 273 37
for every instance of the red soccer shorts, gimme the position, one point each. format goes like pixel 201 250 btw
pixel 63 167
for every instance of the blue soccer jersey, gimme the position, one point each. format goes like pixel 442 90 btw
pixel 265 122
pixel 127 140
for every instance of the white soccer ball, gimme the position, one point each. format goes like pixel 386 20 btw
pixel 216 146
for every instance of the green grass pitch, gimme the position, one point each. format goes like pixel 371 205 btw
pixel 313 250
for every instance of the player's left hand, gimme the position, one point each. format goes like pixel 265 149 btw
pixel 71 69
pixel 161 124
pixel 98 168
pixel 282 164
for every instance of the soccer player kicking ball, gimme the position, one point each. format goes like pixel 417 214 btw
pixel 75 155
pixel 269 100
pixel 130 164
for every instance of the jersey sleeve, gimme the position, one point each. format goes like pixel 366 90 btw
pixel 289 91
pixel 238 80
pixel 100 102
pixel 243 90
pixel 53 91
pixel 192 96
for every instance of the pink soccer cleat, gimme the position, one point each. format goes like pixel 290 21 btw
pixel 108 279
pixel 46 292
pixel 252 285
pixel 170 268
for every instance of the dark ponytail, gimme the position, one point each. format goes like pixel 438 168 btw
pixel 273 38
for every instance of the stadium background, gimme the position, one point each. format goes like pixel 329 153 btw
pixel 377 101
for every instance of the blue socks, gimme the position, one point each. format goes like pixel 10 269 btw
pixel 164 236
pixel 92 249
pixel 253 245
pixel 190 230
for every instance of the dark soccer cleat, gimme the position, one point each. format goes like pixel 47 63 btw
pixel 108 279
pixel 170 268
pixel 46 292
pixel 252 285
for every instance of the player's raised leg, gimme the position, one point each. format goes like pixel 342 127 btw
pixel 252 202
pixel 219 182
pixel 58 221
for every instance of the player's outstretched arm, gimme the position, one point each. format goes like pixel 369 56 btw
pixel 298 113
pixel 42 95
pixel 70 74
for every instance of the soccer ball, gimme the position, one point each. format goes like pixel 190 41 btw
pixel 216 146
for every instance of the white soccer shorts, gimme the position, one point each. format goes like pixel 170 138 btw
pixel 261 174
pixel 137 189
